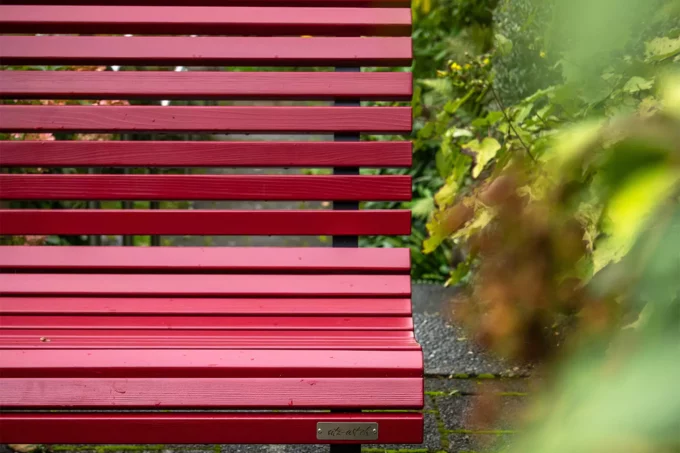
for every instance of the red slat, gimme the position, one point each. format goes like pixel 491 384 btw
pixel 167 306
pixel 197 259
pixel 207 322
pixel 205 85
pixel 201 363
pixel 205 187
pixel 184 222
pixel 204 154
pixel 382 340
pixel 213 393
pixel 204 285
pixel 16 118
pixel 270 21
pixel 325 3
pixel 140 428
pixel 205 51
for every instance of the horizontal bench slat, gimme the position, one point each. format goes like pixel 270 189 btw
pixel 264 21
pixel 205 222
pixel 47 118
pixel 210 322
pixel 324 3
pixel 202 259
pixel 214 393
pixel 203 154
pixel 168 306
pixel 205 85
pixel 204 285
pixel 205 187
pixel 205 51
pixel 376 340
pixel 202 363
pixel 196 428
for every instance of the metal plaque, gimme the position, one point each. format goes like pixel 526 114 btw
pixel 346 431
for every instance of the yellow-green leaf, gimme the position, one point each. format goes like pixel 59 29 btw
pixel 447 194
pixel 637 84
pixel 662 48
pixel 630 209
pixel 485 151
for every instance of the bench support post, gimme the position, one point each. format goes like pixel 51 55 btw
pixel 354 448
pixel 346 241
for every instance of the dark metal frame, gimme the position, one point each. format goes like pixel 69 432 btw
pixel 346 241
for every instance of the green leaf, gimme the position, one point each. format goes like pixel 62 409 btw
pixel 427 131
pixel 523 113
pixel 479 123
pixel 637 84
pixel 461 133
pixel 485 151
pixel 452 106
pixel 660 49
pixel 422 207
pixel 440 86
pixel 494 117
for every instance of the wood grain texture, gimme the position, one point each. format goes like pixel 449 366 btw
pixel 206 259
pixel 205 187
pixel 346 340
pixel 201 363
pixel 205 85
pixel 220 428
pixel 269 21
pixel 199 222
pixel 204 154
pixel 154 285
pixel 205 51
pixel 212 393
pixel 47 118
pixel 169 306
pixel 211 322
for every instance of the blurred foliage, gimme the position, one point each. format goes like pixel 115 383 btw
pixel 477 132
pixel 563 199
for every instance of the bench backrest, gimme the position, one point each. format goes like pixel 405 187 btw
pixel 340 34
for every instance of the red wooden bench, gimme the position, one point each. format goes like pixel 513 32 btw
pixel 302 345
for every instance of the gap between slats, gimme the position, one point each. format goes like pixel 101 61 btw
pixel 195 307
pixel 212 322
pixel 379 340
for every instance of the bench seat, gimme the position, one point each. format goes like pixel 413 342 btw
pixel 187 328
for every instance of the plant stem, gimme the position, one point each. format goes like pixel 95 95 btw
pixel 512 126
